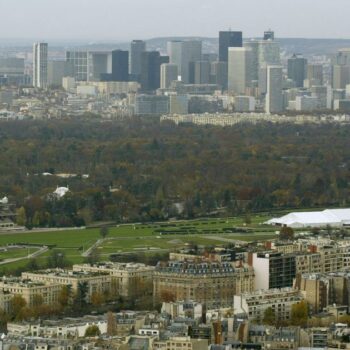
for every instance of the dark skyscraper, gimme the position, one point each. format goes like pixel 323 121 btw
pixel 226 40
pixel 150 70
pixel 120 65
pixel 269 35
pixel 297 69
pixel 137 47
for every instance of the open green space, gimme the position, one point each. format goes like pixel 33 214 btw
pixel 138 237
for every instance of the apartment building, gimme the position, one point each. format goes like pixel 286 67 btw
pixel 210 283
pixel 30 290
pixel 96 282
pixel 254 304
pixel 132 279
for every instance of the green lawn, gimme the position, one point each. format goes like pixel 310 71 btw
pixel 139 237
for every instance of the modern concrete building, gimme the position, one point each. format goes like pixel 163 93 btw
pixel 297 69
pixel 202 72
pixel 150 70
pixel 40 54
pixel 306 103
pixel 244 104
pixel 137 47
pixel 89 65
pixel 228 39
pixel 184 54
pixel 340 76
pixel 120 65
pixel 12 71
pixel 168 73
pixel 151 105
pixel 315 74
pixel 239 69
pixel 273 270
pixel 279 300
pixel 218 74
pixel 113 87
pixel 274 101
pixel 178 104
pixel 56 71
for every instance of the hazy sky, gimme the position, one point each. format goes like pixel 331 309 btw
pixel 130 19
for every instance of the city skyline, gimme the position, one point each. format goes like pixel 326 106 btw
pixel 125 20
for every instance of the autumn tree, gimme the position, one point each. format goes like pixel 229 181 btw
pixel 299 314
pixel 286 233
pixel 17 303
pixel 65 296
pixel 92 331
pixel 269 317
pixel 21 217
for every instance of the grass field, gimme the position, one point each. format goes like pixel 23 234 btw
pixel 140 237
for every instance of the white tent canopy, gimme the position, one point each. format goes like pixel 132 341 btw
pixel 328 217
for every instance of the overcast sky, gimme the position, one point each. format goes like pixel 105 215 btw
pixel 142 19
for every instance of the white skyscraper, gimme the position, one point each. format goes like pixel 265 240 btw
pixel 274 100
pixel 40 65
pixel 239 69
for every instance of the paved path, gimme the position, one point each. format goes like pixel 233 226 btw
pixel 30 256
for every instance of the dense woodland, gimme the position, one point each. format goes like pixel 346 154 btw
pixel 159 171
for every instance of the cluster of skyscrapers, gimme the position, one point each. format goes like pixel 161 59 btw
pixel 245 75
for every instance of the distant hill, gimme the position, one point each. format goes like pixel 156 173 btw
pixel 289 45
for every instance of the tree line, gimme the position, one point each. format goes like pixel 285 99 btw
pixel 143 170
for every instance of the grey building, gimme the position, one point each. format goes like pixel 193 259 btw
pixel 89 65
pixel 168 73
pixel 40 54
pixel 120 65
pixel 228 39
pixel 184 54
pixel 239 69
pixel 137 47
pixel 274 100
pixel 57 70
pixel 150 70
pixel 297 69
pixel 151 105
pixel 218 74
pixel 315 74
pixel 202 72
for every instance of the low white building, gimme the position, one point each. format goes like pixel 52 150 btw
pixel 328 217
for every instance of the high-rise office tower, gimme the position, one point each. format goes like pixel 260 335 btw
pixel 150 70
pixel 297 69
pixel 90 65
pixel 218 74
pixel 274 99
pixel 168 73
pixel 184 54
pixel 120 65
pixel 239 69
pixel 57 70
pixel 136 49
pixel 340 76
pixel 269 35
pixel 228 39
pixel 202 72
pixel 315 74
pixel 40 54
pixel 264 53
